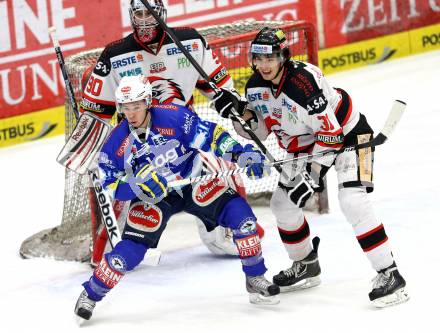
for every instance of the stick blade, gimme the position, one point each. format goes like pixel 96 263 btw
pixel 393 119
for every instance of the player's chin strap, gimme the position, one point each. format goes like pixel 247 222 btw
pixel 213 86
pixel 393 119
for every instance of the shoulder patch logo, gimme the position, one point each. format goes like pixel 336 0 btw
pixel 317 105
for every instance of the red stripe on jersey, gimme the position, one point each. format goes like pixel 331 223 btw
pixel 333 133
pixel 329 145
pixel 98 114
pixel 99 101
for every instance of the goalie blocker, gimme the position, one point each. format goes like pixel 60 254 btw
pixel 87 138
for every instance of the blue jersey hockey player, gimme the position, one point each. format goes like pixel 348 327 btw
pixel 149 148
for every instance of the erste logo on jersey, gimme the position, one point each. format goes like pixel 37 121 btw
pixel 190 48
pixel 259 96
pixel 144 218
pixel 127 61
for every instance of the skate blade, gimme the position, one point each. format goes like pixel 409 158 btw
pixel 304 284
pixel 79 320
pixel 259 299
pixel 398 297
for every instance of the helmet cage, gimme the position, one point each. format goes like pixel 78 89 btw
pixel 142 21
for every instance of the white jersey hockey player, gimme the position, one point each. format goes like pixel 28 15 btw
pixel 151 52
pixel 293 100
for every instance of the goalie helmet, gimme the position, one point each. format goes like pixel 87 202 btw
pixel 143 22
pixel 133 89
pixel 267 42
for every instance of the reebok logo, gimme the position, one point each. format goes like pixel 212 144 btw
pixel 106 209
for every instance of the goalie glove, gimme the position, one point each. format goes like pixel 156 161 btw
pixel 225 100
pixel 150 182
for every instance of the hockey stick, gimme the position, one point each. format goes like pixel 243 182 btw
pixel 103 199
pixel 104 202
pixel 213 86
pixel 393 119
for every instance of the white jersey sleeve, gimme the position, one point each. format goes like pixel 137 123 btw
pixel 215 70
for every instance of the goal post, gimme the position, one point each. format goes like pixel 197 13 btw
pixel 74 238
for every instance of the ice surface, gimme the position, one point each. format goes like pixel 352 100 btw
pixel 194 291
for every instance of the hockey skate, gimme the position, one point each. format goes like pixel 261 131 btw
pixel 303 274
pixel 261 291
pixel 388 288
pixel 84 307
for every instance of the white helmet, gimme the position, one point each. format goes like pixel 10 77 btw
pixel 143 22
pixel 132 89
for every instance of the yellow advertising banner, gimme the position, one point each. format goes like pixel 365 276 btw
pixel 363 53
pixel 425 39
pixel 31 126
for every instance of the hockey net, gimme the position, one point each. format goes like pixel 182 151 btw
pixel 74 238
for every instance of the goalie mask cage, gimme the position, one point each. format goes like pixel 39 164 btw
pixel 73 239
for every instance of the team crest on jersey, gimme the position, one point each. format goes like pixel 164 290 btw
pixel 165 91
pixel 144 218
pixel 207 192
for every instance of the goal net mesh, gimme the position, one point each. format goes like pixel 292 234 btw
pixel 73 238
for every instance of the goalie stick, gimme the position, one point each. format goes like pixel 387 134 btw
pixel 213 86
pixel 391 122
pixel 103 198
pixel 104 201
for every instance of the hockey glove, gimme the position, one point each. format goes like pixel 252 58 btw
pixel 226 100
pixel 152 184
pixel 254 159
pixel 303 185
